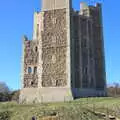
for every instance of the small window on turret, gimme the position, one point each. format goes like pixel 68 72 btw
pixel 29 70
pixel 35 70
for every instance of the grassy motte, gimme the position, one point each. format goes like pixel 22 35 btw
pixel 82 109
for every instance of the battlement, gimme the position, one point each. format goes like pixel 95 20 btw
pixel 85 8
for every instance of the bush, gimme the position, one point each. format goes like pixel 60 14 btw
pixel 6 94
pixel 5 115
pixel 5 97
pixel 15 95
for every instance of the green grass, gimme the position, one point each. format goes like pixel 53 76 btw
pixel 81 109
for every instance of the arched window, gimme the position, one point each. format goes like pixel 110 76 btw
pixel 35 70
pixel 29 70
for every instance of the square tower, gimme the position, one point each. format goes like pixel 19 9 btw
pixel 65 59
pixel 49 75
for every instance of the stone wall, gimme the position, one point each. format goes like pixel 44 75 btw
pixel 30 64
pixel 54 41
pixel 98 41
pixel 87 34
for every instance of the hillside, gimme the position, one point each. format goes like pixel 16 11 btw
pixel 82 109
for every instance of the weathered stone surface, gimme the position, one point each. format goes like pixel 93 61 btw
pixel 54 41
pixel 30 60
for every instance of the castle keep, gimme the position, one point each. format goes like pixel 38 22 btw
pixel 65 58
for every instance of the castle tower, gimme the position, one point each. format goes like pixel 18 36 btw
pixel 65 59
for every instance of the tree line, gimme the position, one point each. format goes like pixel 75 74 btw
pixel 6 94
pixel 114 90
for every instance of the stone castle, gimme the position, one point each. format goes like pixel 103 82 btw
pixel 65 59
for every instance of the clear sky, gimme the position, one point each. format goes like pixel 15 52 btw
pixel 16 19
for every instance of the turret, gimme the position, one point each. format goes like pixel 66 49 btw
pixel 84 9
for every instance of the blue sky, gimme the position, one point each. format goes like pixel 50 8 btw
pixel 16 19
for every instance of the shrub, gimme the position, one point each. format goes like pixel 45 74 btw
pixel 5 115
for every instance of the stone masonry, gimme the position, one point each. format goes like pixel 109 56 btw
pixel 54 49
pixel 30 63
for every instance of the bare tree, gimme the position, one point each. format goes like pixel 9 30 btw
pixel 4 88
pixel 114 90
pixel 116 85
pixel 4 92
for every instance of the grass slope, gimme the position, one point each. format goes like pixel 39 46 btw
pixel 82 109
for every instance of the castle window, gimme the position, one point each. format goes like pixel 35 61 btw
pixel 36 49
pixel 32 83
pixel 85 70
pixel 37 30
pixel 35 70
pixel 29 70
pixel 57 83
